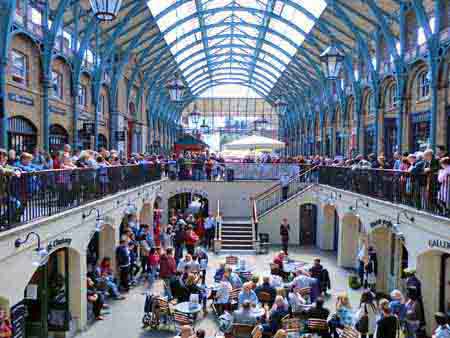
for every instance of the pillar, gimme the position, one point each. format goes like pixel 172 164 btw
pixel 77 289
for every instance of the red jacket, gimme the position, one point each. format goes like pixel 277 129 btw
pixel 167 266
pixel 191 238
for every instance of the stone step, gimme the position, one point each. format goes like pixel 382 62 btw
pixel 233 240
pixel 236 246
pixel 237 236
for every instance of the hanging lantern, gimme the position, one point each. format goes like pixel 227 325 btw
pixel 204 127
pixel 105 10
pixel 281 106
pixel 261 124
pixel 195 115
pixel 332 59
pixel 176 89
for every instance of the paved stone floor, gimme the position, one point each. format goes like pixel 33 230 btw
pixel 124 318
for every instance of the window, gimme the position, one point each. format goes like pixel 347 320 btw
pixel 391 95
pixel 421 37
pixel 82 96
pixel 101 106
pixel 423 85
pixel 57 84
pixel 19 67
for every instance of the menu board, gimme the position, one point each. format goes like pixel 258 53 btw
pixel 18 314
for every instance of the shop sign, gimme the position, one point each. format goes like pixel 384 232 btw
pixel 18 314
pixel 57 110
pixel 381 222
pixel 439 243
pixel 21 99
pixel 58 242
pixel 192 191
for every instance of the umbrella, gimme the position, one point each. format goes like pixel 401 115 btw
pixel 255 142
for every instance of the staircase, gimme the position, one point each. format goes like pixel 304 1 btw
pixel 237 235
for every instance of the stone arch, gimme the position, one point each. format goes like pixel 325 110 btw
pixel 349 240
pixel 329 228
pixel 433 270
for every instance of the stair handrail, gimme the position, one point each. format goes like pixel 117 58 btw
pixel 219 222
pixel 254 219
pixel 278 185
pixel 276 191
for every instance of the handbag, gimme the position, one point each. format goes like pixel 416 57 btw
pixel 349 332
pixel 362 325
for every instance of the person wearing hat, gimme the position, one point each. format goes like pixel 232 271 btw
pixel 285 228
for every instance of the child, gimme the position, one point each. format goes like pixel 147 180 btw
pixel 5 324
pixel 153 264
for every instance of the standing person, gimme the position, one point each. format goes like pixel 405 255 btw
pixel 153 264
pixel 285 228
pixel 179 238
pixel 414 313
pixel 366 317
pixel 191 240
pixel 210 228
pixel 5 324
pixel 124 262
pixel 284 182
pixel 167 270
pixel 387 325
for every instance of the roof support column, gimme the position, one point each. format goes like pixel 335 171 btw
pixel 7 10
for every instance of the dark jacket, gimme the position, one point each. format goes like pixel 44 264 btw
pixel 387 327
pixel 317 313
pixel 123 256
pixel 267 288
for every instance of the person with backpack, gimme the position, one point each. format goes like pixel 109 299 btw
pixel 366 316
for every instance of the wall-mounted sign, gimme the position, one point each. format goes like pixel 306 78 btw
pixel 58 242
pixel 439 243
pixel 21 99
pixel 382 223
pixel 120 136
pixel 56 110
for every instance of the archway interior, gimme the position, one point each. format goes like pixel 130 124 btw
pixel 182 202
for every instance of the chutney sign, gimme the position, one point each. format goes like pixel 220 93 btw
pixel 57 243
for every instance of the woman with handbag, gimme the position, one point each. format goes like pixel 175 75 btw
pixel 366 317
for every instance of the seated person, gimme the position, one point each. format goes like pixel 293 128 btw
pixel 302 280
pixel 177 288
pixel 275 316
pixel 233 278
pixel 218 276
pixel 277 281
pixel 278 259
pixel 296 301
pixel 191 287
pixel 268 288
pixel 245 315
pixel 200 333
pixel 107 276
pixel 195 264
pixel 186 261
pixel 222 297
pixel 186 331
pixel 317 311
pixel 247 294
pixel 95 298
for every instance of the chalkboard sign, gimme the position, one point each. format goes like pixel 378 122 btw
pixel 18 314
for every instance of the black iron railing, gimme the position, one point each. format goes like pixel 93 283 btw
pixel 45 193
pixel 425 192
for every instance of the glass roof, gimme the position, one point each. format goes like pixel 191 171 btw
pixel 246 41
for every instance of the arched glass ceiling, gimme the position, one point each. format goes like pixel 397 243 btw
pixel 241 42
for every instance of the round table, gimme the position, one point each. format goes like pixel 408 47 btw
pixel 291 267
pixel 258 311
pixel 188 308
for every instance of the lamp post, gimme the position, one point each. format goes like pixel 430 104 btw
pixel 98 219
pixel 40 254
pixel 331 59
pixel 195 116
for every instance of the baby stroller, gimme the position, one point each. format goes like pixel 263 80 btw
pixel 149 319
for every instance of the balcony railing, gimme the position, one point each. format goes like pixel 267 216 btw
pixel 423 191
pixel 39 194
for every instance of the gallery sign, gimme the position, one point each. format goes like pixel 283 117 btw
pixel 57 243
pixel 439 243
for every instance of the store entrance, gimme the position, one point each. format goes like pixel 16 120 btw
pixel 444 306
pixel 308 224
pixel 47 297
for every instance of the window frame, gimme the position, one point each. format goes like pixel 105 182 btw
pixel 82 96
pixel 423 86
pixel 19 78
pixel 59 92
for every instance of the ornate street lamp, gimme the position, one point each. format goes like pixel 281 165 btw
pixel 332 59
pixel 176 89
pixel 204 127
pixel 98 218
pixel 195 115
pixel 281 106
pixel 105 10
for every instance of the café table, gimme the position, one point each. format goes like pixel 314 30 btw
pixel 292 266
pixel 191 309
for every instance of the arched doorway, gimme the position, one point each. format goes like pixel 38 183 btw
pixel 183 201
pixel 58 138
pixel 22 134
pixel 308 224
pixel 336 231
pixel 51 295
pixel 349 241
pixel 102 141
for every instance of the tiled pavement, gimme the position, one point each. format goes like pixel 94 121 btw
pixel 124 318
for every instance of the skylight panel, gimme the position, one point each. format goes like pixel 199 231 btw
pixel 286 30
pixel 211 4
pixel 157 6
pixel 274 70
pixel 217 17
pixel 275 52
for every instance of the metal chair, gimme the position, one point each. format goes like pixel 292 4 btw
pixel 242 330
pixel 231 260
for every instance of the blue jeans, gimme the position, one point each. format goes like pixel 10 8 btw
pixel 152 270
pixel 113 289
